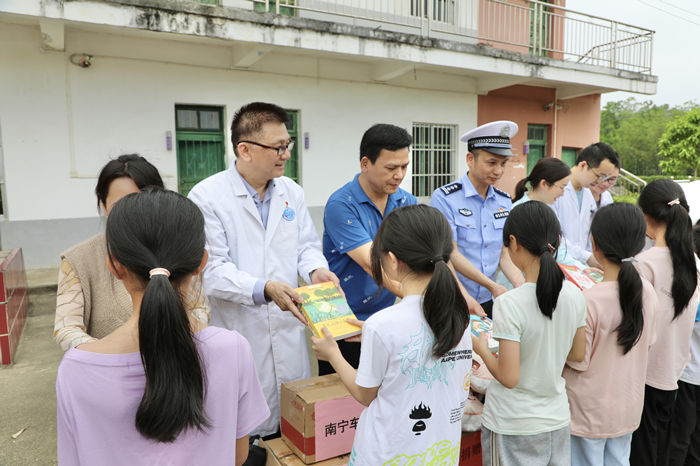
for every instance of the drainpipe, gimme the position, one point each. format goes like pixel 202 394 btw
pixel 556 111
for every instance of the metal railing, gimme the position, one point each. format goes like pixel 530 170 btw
pixel 531 27
pixel 627 183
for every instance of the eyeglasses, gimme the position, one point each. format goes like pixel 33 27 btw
pixel 560 187
pixel 601 178
pixel 611 180
pixel 280 150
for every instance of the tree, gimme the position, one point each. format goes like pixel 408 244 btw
pixel 680 145
pixel 634 129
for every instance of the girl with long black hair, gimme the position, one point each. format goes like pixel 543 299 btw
pixel 606 389
pixel 671 267
pixel 416 359
pixel 539 326
pixel 685 427
pixel 163 388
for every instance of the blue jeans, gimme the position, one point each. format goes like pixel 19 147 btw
pixel 601 451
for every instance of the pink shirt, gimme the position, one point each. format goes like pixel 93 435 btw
pixel 98 395
pixel 671 353
pixel 606 390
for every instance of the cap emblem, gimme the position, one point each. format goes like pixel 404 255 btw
pixel 505 131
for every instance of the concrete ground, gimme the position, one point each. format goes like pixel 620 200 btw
pixel 27 388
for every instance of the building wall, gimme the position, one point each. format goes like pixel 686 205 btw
pixel 577 123
pixel 62 123
pixel 508 22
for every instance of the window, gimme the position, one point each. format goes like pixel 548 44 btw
pixel 443 10
pixel 208 2
pixel 284 10
pixel 200 144
pixel 291 167
pixel 434 153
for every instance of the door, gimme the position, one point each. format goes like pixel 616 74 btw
pixel 537 137
pixel 201 150
pixel 291 167
pixel 568 156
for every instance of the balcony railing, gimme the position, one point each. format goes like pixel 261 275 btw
pixel 530 27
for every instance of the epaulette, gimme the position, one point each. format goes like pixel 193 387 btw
pixel 451 188
pixel 502 193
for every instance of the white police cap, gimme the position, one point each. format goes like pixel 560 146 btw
pixel 492 137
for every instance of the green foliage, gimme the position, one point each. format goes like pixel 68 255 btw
pixel 649 179
pixel 631 198
pixel 634 129
pixel 680 145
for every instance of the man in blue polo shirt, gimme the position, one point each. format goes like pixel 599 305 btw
pixel 351 220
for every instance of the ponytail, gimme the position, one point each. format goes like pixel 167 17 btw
pixel 520 189
pixel 170 359
pixel 618 230
pixel 664 201
pixel 420 237
pixel 536 228
pixel 162 229
pixel 549 283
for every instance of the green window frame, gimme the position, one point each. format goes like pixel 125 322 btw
pixel 259 6
pixel 200 143
pixel 291 167
pixel 537 139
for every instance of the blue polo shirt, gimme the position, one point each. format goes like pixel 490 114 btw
pixel 477 227
pixel 350 221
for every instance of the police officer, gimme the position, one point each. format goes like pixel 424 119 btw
pixel 477 212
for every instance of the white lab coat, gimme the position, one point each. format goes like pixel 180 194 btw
pixel 575 223
pixel 241 251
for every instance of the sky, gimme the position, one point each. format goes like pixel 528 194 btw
pixel 676 53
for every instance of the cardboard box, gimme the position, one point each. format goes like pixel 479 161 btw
pixel 470 449
pixel 279 454
pixel 319 418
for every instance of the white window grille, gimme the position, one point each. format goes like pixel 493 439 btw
pixel 434 153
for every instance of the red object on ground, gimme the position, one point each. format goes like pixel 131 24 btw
pixel 14 302
pixel 470 449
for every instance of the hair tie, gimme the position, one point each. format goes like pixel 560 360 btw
pixel 631 259
pixel 158 271
pixel 674 202
pixel 549 248
pixel 437 259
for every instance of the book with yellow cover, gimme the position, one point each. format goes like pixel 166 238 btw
pixel 324 306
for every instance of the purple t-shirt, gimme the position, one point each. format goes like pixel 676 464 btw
pixel 98 395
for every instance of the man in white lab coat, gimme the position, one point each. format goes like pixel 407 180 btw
pixel 260 236
pixel 576 207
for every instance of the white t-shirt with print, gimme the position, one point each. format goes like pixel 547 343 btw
pixel 538 403
pixel 417 413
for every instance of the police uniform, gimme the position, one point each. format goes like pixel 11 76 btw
pixel 477 224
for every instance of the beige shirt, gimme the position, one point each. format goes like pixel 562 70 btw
pixel 606 390
pixel 671 352
pixel 70 328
